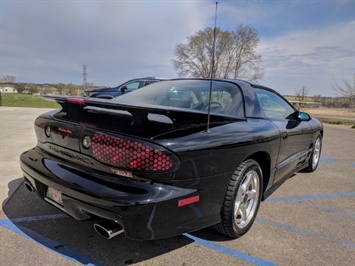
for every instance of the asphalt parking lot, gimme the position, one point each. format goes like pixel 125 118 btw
pixel 309 220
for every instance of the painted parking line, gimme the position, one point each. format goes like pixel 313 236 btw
pixel 293 229
pixel 298 200
pixel 326 209
pixel 48 243
pixel 308 197
pixel 76 257
pixel 231 252
pixel 327 160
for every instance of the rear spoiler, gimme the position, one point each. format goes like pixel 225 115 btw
pixel 179 116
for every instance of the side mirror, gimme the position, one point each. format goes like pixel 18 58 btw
pixel 302 116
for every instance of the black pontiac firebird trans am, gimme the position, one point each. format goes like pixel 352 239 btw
pixel 173 157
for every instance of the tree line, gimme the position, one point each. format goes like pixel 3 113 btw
pixel 58 88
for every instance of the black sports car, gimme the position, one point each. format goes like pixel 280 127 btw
pixel 173 157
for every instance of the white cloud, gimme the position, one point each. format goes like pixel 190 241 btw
pixel 302 43
pixel 115 39
pixel 310 57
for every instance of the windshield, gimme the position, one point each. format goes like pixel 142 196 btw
pixel 226 97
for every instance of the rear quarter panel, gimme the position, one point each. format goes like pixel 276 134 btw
pixel 209 159
pixel 216 154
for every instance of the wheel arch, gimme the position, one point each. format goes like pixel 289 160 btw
pixel 320 132
pixel 264 160
pixel 315 136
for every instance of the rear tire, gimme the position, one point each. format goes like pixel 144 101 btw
pixel 242 200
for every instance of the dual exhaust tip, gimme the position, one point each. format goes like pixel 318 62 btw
pixel 29 186
pixel 108 229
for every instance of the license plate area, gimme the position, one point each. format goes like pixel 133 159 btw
pixel 54 196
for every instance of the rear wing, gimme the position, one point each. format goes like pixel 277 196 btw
pixel 140 112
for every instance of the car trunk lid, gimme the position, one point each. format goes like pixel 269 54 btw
pixel 145 121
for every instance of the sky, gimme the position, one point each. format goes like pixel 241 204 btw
pixel 302 43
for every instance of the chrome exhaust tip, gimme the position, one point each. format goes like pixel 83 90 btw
pixel 108 229
pixel 29 186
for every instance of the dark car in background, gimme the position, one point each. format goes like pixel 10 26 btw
pixel 170 158
pixel 128 86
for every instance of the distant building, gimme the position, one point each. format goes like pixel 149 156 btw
pixel 7 88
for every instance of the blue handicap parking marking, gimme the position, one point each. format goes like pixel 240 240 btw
pixel 330 210
pixel 309 197
pixel 77 257
pixel 231 252
pixel 74 256
pixel 300 231
pixel 327 160
pixel 300 200
pixel 66 252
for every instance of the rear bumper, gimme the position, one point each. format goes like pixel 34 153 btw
pixel 144 210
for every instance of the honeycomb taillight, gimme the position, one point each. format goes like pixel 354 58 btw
pixel 130 154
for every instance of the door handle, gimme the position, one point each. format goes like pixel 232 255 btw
pixel 284 135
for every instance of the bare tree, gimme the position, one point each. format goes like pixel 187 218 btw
pixel 8 78
pixel 33 88
pixel 88 85
pixel 246 61
pixel 194 58
pixel 72 89
pixel 347 90
pixel 20 87
pixel 301 97
pixel 61 88
pixel 235 55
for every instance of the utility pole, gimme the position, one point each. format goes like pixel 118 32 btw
pixel 84 78
pixel 84 75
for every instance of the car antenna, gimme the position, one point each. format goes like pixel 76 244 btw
pixel 212 70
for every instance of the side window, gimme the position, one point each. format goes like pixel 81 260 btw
pixel 224 99
pixel 134 85
pixel 273 105
pixel 219 99
pixel 150 82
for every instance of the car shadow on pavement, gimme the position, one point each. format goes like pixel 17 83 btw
pixel 209 234
pixel 76 240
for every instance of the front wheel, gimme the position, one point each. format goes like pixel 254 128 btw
pixel 242 200
pixel 315 155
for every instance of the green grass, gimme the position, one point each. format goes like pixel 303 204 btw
pixel 336 122
pixel 26 100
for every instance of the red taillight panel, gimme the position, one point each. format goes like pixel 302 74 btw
pixel 129 154
pixel 79 101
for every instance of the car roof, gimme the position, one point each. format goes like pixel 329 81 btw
pixel 248 92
